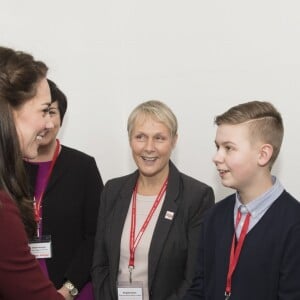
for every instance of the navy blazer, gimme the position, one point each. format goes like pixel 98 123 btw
pixel 269 263
pixel 70 208
pixel 173 248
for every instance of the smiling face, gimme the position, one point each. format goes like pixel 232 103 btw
pixel 238 157
pixel 151 144
pixel 51 134
pixel 32 120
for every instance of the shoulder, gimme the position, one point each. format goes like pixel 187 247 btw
pixel 192 194
pixel 78 164
pixel 74 153
pixel 191 182
pixel 226 202
pixel 196 193
pixel 117 188
pixel 188 182
pixel 222 208
pixel 289 200
pixel 117 182
pixel 288 206
pixel 76 159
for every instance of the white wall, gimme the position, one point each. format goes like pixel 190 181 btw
pixel 200 57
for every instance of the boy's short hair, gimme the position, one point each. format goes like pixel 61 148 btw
pixel 265 122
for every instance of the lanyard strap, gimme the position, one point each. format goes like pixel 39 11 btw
pixel 236 250
pixel 134 241
pixel 37 203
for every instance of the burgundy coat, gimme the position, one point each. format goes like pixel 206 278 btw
pixel 20 274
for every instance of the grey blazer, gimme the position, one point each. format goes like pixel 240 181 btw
pixel 174 245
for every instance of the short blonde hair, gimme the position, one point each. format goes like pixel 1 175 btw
pixel 264 121
pixel 158 111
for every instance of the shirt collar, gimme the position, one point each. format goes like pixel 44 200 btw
pixel 259 205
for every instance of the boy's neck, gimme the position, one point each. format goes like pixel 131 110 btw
pixel 258 188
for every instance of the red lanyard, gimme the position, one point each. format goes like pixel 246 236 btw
pixel 236 250
pixel 134 241
pixel 37 203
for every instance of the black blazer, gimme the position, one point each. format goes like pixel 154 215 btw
pixel 269 263
pixel 174 244
pixel 70 207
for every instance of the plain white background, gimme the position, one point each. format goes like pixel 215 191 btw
pixel 200 57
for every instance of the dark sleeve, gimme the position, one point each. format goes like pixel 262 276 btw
pixel 196 291
pixel 20 274
pixel 78 271
pixel 100 266
pixel 289 286
pixel 204 200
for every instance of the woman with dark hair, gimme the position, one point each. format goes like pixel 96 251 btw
pixel 24 121
pixel 66 182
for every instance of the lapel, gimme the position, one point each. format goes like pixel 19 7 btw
pixel 163 225
pixel 120 210
pixel 61 165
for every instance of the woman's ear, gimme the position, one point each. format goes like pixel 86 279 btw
pixel 265 154
pixel 175 138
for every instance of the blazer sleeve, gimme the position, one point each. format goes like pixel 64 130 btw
pixel 100 266
pixel 20 274
pixel 205 199
pixel 196 290
pixel 79 270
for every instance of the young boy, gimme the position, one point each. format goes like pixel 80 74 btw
pixel 250 241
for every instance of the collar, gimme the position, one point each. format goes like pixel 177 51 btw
pixel 260 204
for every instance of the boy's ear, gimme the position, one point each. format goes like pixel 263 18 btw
pixel 265 154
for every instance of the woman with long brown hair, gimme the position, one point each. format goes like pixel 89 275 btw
pixel 24 120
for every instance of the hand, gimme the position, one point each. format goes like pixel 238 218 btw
pixel 65 292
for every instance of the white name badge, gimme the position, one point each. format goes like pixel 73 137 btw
pixel 130 291
pixel 40 247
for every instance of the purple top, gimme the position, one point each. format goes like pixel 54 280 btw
pixel 40 185
pixel 87 292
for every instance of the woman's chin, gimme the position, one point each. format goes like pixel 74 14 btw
pixel 30 154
